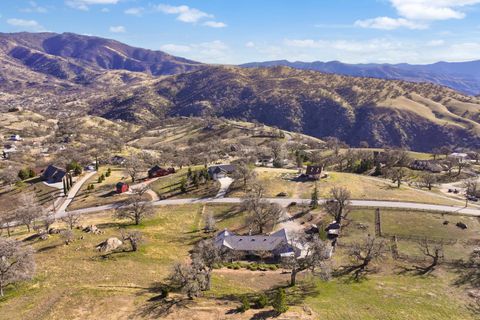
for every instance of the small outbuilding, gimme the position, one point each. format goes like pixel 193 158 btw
pixel 314 172
pixel 158 171
pixel 122 187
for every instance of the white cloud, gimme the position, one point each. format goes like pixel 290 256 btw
pixel 176 48
pixel 387 23
pixel 138 11
pixel 416 14
pixel 84 4
pixel 34 8
pixel 435 43
pixel 117 29
pixel 26 24
pixel 184 13
pixel 250 44
pixel 210 52
pixel 214 24
pixel 432 9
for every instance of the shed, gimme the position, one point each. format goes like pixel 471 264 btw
pixel 122 187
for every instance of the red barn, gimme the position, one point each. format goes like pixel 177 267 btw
pixel 158 171
pixel 122 187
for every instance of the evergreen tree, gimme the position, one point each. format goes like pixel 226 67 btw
pixel 64 187
pixel 189 173
pixel 314 198
pixel 280 301
pixel 183 185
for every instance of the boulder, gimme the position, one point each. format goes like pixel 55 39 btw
pixel 109 245
pixel 92 229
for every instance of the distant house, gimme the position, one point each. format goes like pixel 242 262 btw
pixel 15 137
pixel 158 171
pixel 220 171
pixel 314 172
pixel 276 244
pixel 122 187
pixel 426 165
pixel 118 160
pixel 9 147
pixel 265 161
pixel 53 174
pixel 459 156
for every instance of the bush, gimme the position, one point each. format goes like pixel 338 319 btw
pixel 75 167
pixel 109 172
pixel 23 174
pixel 164 292
pixel 280 301
pixel 262 301
pixel 245 304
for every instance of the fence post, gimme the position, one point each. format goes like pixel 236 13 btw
pixel 378 223
pixel 394 248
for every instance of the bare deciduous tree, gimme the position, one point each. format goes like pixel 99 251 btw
pixel 363 254
pixel 209 223
pixel 187 278
pixel 28 209
pixel 338 206
pixel 67 236
pixel 261 211
pixel 432 251
pixel 244 173
pixel 71 219
pixel 397 174
pixel 471 187
pixel 315 256
pixel 204 256
pixel 135 208
pixel 428 180
pixel 134 166
pixel 134 237
pixel 16 262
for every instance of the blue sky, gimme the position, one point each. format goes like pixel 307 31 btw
pixel 238 31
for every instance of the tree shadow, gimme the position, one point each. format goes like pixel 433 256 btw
pixel 265 314
pixel 48 248
pixel 161 304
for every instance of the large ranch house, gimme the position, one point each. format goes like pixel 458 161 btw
pixel 276 246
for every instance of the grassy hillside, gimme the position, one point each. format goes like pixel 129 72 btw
pixel 419 116
pixel 76 282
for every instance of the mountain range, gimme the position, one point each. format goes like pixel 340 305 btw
pixel 63 75
pixel 461 76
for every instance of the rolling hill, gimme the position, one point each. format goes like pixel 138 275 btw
pixel 461 76
pixel 78 58
pixel 64 75
pixel 419 116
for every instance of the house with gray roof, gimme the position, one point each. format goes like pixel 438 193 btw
pixel 53 174
pixel 276 243
pixel 220 171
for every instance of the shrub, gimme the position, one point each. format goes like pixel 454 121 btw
pixel 164 292
pixel 280 301
pixel 23 174
pixel 245 304
pixel 262 301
